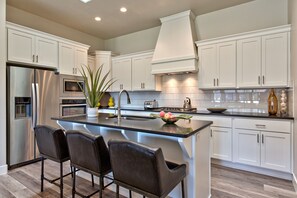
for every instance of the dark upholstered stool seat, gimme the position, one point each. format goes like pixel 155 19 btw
pixel 143 169
pixel 90 154
pixel 52 145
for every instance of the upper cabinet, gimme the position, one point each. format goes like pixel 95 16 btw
pixel 133 72
pixel 25 45
pixel 28 48
pixel 248 60
pixel 263 61
pixel 217 65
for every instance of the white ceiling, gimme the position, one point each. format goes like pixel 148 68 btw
pixel 141 15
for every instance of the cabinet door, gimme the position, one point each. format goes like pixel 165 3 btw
pixel 121 72
pixel 246 148
pixel 139 67
pixel 275 60
pixel 226 62
pixel 105 61
pixel 81 60
pixel 275 151
pixel 46 52
pixel 66 59
pixel 21 46
pixel 221 143
pixel 249 62
pixel 207 66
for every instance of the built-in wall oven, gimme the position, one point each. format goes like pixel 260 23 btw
pixel 72 107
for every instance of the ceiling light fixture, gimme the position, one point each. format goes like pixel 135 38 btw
pixel 97 19
pixel 85 1
pixel 123 9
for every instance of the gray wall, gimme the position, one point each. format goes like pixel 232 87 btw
pixel 293 21
pixel 2 87
pixel 33 21
pixel 250 16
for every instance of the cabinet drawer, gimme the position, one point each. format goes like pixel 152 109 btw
pixel 263 125
pixel 217 122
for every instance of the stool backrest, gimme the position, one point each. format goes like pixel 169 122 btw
pixel 88 151
pixel 51 142
pixel 137 165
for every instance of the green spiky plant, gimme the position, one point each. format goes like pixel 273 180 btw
pixel 96 84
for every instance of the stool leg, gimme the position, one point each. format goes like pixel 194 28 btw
pixel 73 183
pixel 183 189
pixel 71 171
pixel 101 186
pixel 118 191
pixel 130 194
pixel 42 173
pixel 92 176
pixel 61 179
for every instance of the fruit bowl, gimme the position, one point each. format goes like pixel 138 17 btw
pixel 170 121
pixel 169 118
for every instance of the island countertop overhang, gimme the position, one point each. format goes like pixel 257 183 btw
pixel 181 129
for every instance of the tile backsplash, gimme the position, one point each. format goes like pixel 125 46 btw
pixel 175 88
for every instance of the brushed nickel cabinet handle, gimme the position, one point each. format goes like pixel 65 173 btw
pixel 258 138
pixel 33 58
pixel 143 85
pixel 217 82
pixel 260 125
pixel 211 133
pixel 263 79
pixel 214 82
pixel 73 70
pixel 259 79
pixel 262 139
pixel 37 59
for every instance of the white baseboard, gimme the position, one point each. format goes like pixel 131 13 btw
pixel 294 180
pixel 3 169
pixel 254 169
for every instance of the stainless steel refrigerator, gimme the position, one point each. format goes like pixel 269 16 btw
pixel 32 99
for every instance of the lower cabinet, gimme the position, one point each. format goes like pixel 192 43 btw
pixel 263 148
pixel 221 144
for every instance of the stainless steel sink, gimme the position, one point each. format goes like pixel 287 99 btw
pixel 131 117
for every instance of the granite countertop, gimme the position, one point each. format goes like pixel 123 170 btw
pixel 182 128
pixel 205 112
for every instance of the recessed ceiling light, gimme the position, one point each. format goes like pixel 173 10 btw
pixel 97 19
pixel 85 1
pixel 123 9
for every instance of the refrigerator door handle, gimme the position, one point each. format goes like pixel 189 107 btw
pixel 33 106
pixel 37 104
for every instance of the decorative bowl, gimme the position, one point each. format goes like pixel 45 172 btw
pixel 170 121
pixel 216 110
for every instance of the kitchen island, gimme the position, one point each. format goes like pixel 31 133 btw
pixel 186 141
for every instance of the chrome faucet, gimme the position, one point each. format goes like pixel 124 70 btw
pixel 119 102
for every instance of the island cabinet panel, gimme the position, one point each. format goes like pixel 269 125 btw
pixel 267 144
pixel 28 48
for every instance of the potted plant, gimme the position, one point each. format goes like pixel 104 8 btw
pixel 96 84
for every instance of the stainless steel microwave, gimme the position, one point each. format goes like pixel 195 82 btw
pixel 71 86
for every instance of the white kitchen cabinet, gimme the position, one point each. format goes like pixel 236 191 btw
pixel 71 59
pixel 217 65
pixel 28 48
pixel 121 72
pixel 246 147
pixel 133 72
pixel 142 79
pixel 265 144
pixel 91 62
pixel 221 143
pixel 275 151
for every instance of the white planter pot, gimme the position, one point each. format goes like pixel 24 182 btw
pixel 92 112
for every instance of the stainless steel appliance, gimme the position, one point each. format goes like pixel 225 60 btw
pixel 73 107
pixel 70 86
pixel 32 99
pixel 150 104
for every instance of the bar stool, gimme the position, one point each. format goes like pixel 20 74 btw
pixel 143 169
pixel 90 154
pixel 52 145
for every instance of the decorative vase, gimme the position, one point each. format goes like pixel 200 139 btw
pixel 92 112
pixel 272 103
pixel 283 103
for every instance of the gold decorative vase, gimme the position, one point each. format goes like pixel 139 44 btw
pixel 272 103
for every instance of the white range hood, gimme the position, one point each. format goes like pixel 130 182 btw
pixel 175 50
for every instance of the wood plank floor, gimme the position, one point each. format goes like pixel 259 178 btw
pixel 226 183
